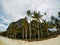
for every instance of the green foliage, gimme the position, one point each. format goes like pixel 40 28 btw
pixel 21 28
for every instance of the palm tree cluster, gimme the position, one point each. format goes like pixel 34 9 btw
pixel 35 29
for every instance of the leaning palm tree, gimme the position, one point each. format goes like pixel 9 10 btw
pixel 29 14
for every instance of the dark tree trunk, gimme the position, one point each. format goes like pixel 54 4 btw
pixel 26 33
pixel 30 29
pixel 23 34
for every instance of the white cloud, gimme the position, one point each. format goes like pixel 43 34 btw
pixel 16 9
pixel 3 27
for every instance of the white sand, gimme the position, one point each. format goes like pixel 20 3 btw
pixel 7 41
pixel 52 41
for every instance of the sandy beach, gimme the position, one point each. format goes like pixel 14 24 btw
pixel 52 41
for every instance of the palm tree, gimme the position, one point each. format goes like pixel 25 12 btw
pixel 34 28
pixel 29 14
pixel 52 18
pixel 23 27
pixel 11 29
pixel 37 16
pixel 15 30
pixel 24 24
pixel 59 14
pixel 23 32
pixel 46 27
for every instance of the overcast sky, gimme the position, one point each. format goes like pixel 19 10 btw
pixel 13 10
